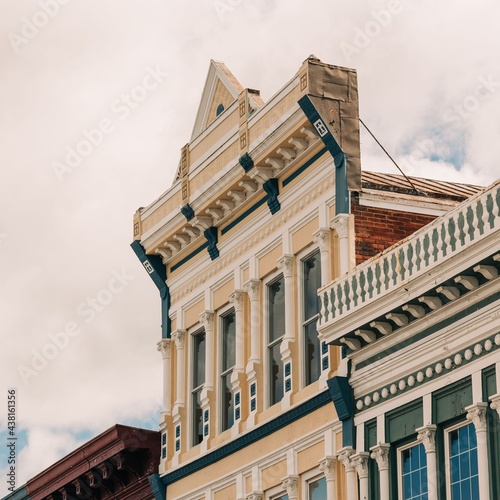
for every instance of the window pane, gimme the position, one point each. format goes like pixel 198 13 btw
pixel 312 281
pixel 228 341
pixel 199 359
pixel 276 374
pixel 276 309
pixel 414 473
pixel 313 354
pixel 317 489
pixel 463 463
pixel 197 418
pixel 227 402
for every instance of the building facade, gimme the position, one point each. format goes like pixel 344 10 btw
pixel 269 205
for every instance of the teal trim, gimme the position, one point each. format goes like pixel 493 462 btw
pixel 212 239
pixel 20 494
pixel 339 158
pixel 157 487
pixel 243 216
pixel 249 438
pixel 371 434
pixel 188 257
pixel 271 187
pixel 449 402
pixel 489 382
pixel 158 273
pixel 466 311
pixel 304 167
pixel 342 396
pixel 373 472
pixel 403 422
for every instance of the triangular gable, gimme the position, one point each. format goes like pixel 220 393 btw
pixel 220 91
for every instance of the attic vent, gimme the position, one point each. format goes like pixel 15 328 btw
pixel 220 109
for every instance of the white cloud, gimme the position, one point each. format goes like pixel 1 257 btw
pixel 64 239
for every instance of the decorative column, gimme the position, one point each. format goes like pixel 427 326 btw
pixel 322 238
pixel 286 266
pixel 477 415
pixel 495 403
pixel 290 484
pixel 345 456
pixel 236 298
pixel 327 467
pixel 380 453
pixel 341 225
pixel 427 436
pixel 178 337
pixel 251 287
pixel 361 463
pixel 207 320
pixel 164 347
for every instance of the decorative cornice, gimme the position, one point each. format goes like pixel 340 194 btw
pixel 427 436
pixel 285 264
pixel 477 414
pixel 431 372
pixel 380 453
pixel 278 220
pixel 327 467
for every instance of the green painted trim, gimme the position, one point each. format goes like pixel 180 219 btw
pixel 489 382
pixel 449 403
pixel 428 373
pixel 467 311
pixel 249 438
pixel 189 257
pixel 243 216
pixel 402 422
pixel 304 167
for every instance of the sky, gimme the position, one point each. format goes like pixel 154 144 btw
pixel 96 100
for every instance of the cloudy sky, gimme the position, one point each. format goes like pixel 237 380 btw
pixel 126 76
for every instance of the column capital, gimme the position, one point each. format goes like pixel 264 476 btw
pixel 427 436
pixel 178 337
pixel 477 415
pixel 164 347
pixel 285 263
pixel 207 319
pixel 344 455
pixel 290 484
pixel 380 453
pixel 251 287
pixel 322 238
pixel 361 463
pixel 495 403
pixel 341 225
pixel 254 496
pixel 327 467
pixel 236 298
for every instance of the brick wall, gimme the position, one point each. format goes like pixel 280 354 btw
pixel 378 229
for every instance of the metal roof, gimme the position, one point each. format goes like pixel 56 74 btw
pixel 427 187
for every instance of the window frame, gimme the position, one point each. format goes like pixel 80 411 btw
pixel 222 314
pixel 267 283
pixel 308 478
pixel 447 459
pixel 193 391
pixel 305 322
pixel 399 465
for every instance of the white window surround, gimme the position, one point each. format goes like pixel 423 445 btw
pixel 277 274
pixel 301 258
pixel 400 451
pixel 308 477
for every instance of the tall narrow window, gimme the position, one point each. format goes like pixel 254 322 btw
pixel 228 359
pixel 463 470
pixel 317 489
pixel 413 473
pixel 198 375
pixel 311 273
pixel 276 329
